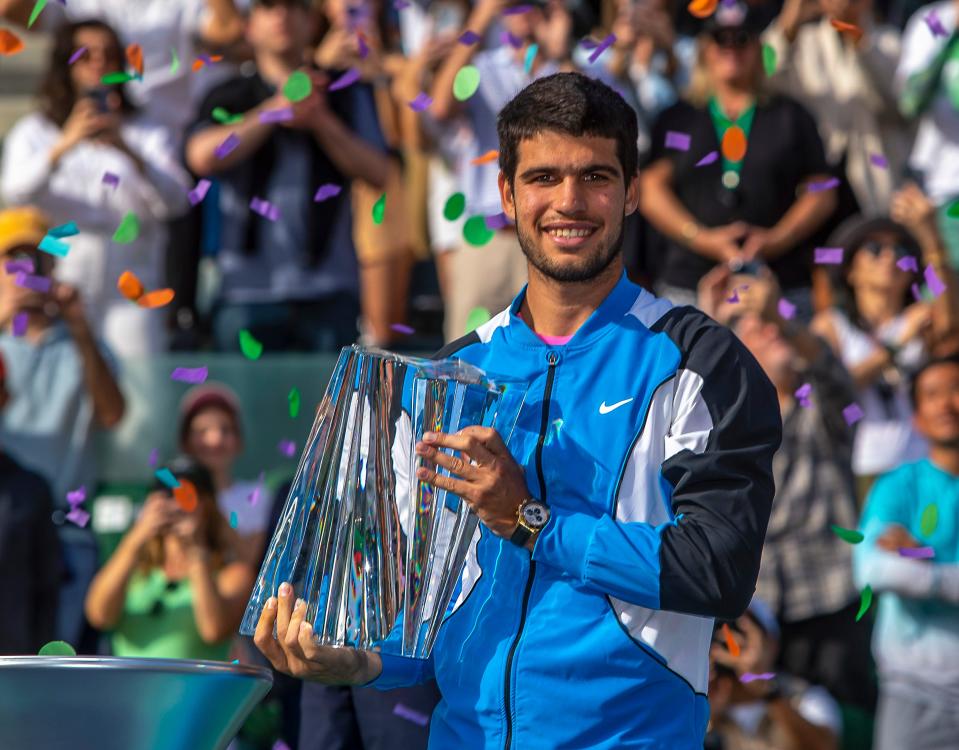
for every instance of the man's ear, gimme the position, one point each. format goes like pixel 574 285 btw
pixel 507 199
pixel 632 195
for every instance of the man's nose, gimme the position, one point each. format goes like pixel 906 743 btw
pixel 570 199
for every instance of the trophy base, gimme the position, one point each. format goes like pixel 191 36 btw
pixel 109 703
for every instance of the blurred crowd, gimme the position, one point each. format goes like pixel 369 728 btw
pixel 207 175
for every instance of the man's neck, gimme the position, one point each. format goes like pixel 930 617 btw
pixel 946 458
pixel 275 69
pixel 554 308
pixel 733 98
pixel 875 306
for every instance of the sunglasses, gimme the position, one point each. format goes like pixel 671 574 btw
pixel 875 249
pixel 732 38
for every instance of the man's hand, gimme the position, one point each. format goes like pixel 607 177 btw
pixel 896 537
pixel 759 242
pixel 70 307
pixel 756 654
pixel 491 481
pixel 294 651
pixel 721 244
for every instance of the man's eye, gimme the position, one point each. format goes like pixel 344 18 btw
pixel 544 178
pixel 595 177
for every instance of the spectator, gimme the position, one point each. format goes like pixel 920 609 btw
pixel 63 158
pixel 879 330
pixel 735 209
pixel 778 712
pixel 62 389
pixel 174 587
pixel 29 555
pixel 211 432
pixel 806 570
pixel 290 279
pixel 909 557
pixel 866 138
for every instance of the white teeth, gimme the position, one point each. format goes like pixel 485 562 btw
pixel 569 233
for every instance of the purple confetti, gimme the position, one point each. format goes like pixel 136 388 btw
pixel 587 43
pixel 421 103
pixel 189 374
pixel 254 497
pixel 364 48
pixel 264 208
pixel 602 47
pixel 922 553
pixel 878 160
pixel 277 115
pixel 935 25
pixel 802 394
pixel 347 79
pixel 828 256
pixel 852 414
pixel 786 308
pixel 154 458
pixel 400 328
pixel 231 142
pixel 916 294
pixel 469 37
pixel 327 191
pixel 733 298
pixel 405 712
pixel 40 284
pixel 20 324
pixel 78 516
pixel 909 263
pixel 401 4
pixel 516 10
pixel 287 448
pixel 818 187
pixel 207 60
pixel 496 221
pixel 750 677
pixel 23 264
pixel 678 141
pixel 76 55
pixel 111 179
pixel 77 496
pixel 280 745
pixel 936 287
pixel 513 41
pixel 198 193
pixel 709 158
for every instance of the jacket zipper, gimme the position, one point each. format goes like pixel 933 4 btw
pixel 552 358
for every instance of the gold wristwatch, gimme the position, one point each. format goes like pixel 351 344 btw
pixel 531 516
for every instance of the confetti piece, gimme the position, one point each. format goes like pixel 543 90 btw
pixel 233 519
pixel 298 86
pixel 933 282
pixel 347 79
pixel 15 266
pixel 678 141
pixel 69 229
pixel 786 308
pixel 919 553
pixel 76 55
pixel 128 230
pixel 466 82
pixel 157 298
pixel 847 535
pixel 916 294
pixel 77 496
pixel 878 160
pixel 112 79
pixel 531 53
pixel 130 286
pixel 846 28
pixel 280 744
pixel 513 41
pixel 802 395
pixel 20 324
pixel 487 158
pixel 477 316
pixel 254 496
pixel 186 495
pixel 476 232
pixel 702 8
pixel 469 37
pixel 189 374
pixel 111 179
pixel 454 207
pixel 264 208
pixel 934 24
pixel 405 712
pixel 37 9
pixel 929 519
pixel 10 43
pixel 363 47
pixel 828 256
pixel 604 45
pixel 400 328
pixel 818 187
pixel 496 221
pixel 287 448
pixel 154 458
pixel 251 348
pixel 769 60
pixel 953 211
pixel 852 414
pixel 733 298
pixel 166 478
pixel 293 397
pixel 54 247
pixel 379 209
pixel 516 10
pixel 751 677
pixel 78 516
pixel 225 117
pixel 134 54
pixel 174 61
pixel 865 602
pixel 231 142
pixel 731 643
pixel 327 191
pixel 56 648
pixel 421 103
pixel 908 263
pixel 733 145
pixel 198 193
pixel 709 158
pixel 40 284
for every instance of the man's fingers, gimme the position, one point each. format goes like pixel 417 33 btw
pixel 291 642
pixel 455 464
pixel 488 438
pixel 456 486
pixel 263 636
pixel 284 610
pixel 465 441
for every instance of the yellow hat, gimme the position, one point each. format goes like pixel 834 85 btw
pixel 21 226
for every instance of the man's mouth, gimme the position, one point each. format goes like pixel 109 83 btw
pixel 569 235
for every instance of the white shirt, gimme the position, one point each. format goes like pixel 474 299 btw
pixel 251 518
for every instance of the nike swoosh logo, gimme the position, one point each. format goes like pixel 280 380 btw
pixel 603 409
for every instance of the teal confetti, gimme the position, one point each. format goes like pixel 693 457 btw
pixel 166 476
pixel 530 56
pixel 233 519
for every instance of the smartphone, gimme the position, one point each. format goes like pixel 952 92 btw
pixel 747 268
pixel 99 97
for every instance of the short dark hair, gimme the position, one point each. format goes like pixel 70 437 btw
pixel 568 103
pixel 952 359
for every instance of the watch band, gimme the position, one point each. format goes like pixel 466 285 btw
pixel 521 535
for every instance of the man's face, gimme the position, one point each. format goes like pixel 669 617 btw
pixel 280 27
pixel 767 345
pixel 937 405
pixel 569 201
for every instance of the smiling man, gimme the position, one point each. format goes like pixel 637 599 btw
pixel 628 510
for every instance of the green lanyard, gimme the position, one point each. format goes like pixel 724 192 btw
pixel 744 123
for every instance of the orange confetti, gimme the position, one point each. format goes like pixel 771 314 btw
pixel 489 156
pixel 156 298
pixel 847 28
pixel 10 43
pixel 135 57
pixel 130 286
pixel 702 8
pixel 200 61
pixel 734 143
pixel 185 495
pixel 731 641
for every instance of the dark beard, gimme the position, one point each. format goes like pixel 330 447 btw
pixel 595 265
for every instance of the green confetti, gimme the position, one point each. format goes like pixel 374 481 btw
pixel 175 62
pixel 929 519
pixel 379 209
pixel 476 318
pixel 294 398
pixel 865 602
pixel 476 232
pixel 847 535
pixel 37 9
pixel 128 230
pixel 455 206
pixel 251 348
pixel 769 59
pixel 466 82
pixel 111 79
pixel 233 519
pixel 298 86
pixel 953 211
pixel 57 648
pixel 224 117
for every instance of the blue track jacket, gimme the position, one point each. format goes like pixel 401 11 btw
pixel 651 436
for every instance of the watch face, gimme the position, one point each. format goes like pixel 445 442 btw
pixel 535 515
